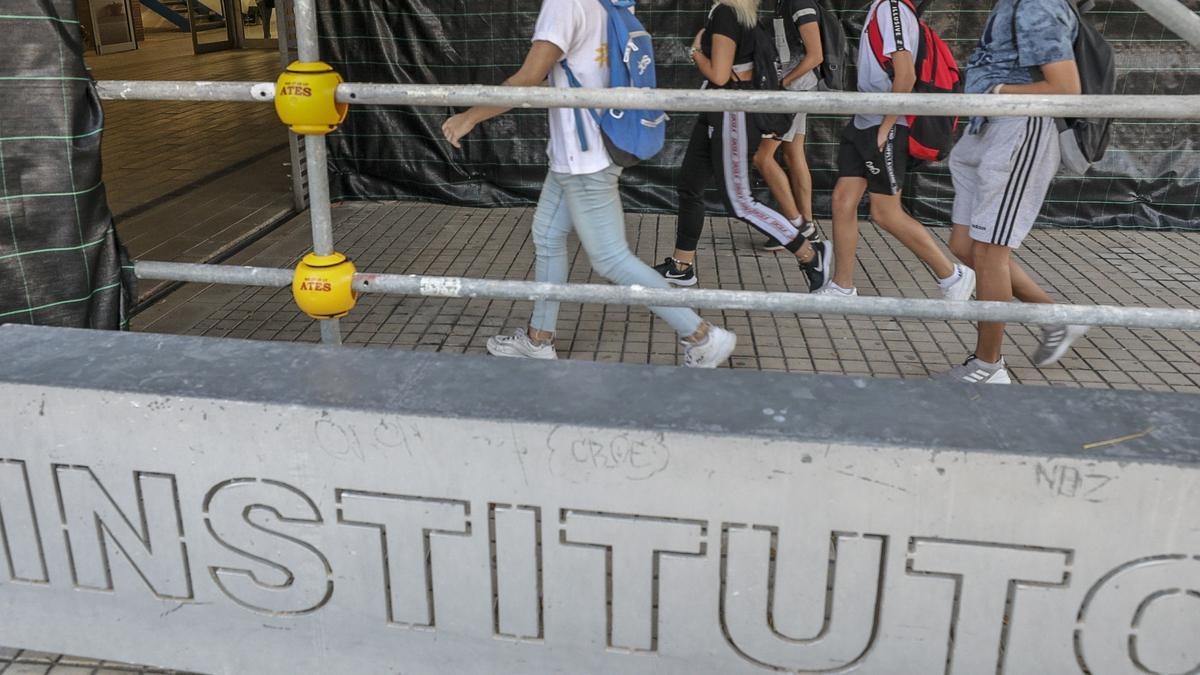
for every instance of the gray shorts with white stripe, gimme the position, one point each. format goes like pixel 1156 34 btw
pixel 1001 176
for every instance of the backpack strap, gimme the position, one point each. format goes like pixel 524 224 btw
pixel 575 84
pixel 875 35
pixel 898 28
pixel 580 130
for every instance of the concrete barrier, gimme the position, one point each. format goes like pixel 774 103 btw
pixel 237 507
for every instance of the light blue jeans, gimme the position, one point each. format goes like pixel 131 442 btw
pixel 591 205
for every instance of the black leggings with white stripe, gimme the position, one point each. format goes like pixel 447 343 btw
pixel 721 147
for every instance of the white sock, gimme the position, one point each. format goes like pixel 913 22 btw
pixel 805 227
pixel 952 279
pixel 990 366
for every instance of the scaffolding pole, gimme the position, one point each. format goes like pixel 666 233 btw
pixel 815 102
pixel 684 100
pixel 1176 17
pixel 315 155
pixel 186 90
pixel 789 303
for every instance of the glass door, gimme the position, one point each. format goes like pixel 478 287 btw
pixel 112 26
pixel 212 24
pixel 259 26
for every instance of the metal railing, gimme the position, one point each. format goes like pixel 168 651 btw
pixel 1175 16
pixel 798 303
pixel 682 100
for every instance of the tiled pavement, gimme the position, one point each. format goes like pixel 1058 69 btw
pixel 185 180
pixel 1088 267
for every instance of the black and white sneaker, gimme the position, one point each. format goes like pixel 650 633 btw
pixel 670 271
pixel 772 244
pixel 819 270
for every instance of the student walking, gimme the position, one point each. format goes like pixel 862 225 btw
pixel 581 190
pixel 721 146
pixel 873 156
pixel 1003 166
pixel 793 189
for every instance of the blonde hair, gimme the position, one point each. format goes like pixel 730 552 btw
pixel 747 11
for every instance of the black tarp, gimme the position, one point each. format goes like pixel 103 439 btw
pixel 1150 178
pixel 60 261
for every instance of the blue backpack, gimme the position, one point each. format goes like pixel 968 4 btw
pixel 630 136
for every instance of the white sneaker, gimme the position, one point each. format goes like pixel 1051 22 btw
pixel 519 346
pixel 836 291
pixel 961 290
pixel 973 371
pixel 1056 340
pixel 717 346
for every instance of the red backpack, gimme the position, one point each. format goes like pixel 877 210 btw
pixel 929 138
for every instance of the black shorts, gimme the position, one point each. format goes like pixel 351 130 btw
pixel 860 157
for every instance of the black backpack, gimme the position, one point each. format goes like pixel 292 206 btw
pixel 1083 141
pixel 768 76
pixel 834 44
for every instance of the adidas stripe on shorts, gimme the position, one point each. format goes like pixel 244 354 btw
pixel 1001 176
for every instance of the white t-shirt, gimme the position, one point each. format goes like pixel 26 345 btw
pixel 580 29
pixel 900 30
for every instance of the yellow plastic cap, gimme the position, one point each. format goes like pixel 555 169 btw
pixel 322 286
pixel 305 98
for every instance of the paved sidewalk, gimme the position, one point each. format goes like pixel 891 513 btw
pixel 154 149
pixel 1089 267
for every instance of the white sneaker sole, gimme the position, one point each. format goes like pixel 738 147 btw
pixel 682 283
pixel 506 353
pixel 999 377
pixel 1073 334
pixel 830 292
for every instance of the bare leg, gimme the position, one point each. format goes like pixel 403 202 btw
pixel 887 211
pixel 993 283
pixel 847 195
pixel 1024 287
pixel 797 161
pixel 776 177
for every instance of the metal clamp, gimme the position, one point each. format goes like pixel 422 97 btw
pixel 322 288
pixel 305 98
